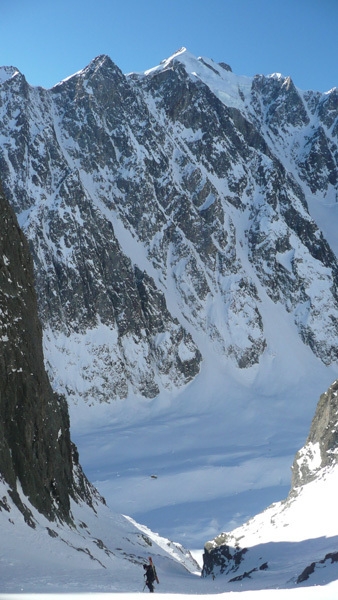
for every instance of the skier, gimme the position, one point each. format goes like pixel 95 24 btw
pixel 150 575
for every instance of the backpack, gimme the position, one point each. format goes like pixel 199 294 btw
pixel 151 574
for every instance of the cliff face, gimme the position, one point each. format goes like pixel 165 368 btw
pixel 36 453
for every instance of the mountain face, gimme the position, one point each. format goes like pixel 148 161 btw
pixel 164 210
pixel 37 458
pixel 294 541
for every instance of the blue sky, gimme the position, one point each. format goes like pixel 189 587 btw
pixel 48 40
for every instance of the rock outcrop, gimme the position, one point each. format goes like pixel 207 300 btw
pixel 321 447
pixel 38 461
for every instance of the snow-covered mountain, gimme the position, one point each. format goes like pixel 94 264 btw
pixel 182 224
pixel 166 211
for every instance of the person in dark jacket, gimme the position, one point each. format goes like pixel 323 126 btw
pixel 150 575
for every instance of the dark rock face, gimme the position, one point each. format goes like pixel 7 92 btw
pixel 305 125
pixel 221 556
pixel 35 445
pixel 330 558
pixel 321 447
pixel 278 103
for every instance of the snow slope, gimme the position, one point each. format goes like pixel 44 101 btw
pixel 68 563
pixel 293 542
pixel 221 450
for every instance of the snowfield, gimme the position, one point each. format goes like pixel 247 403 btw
pixel 220 451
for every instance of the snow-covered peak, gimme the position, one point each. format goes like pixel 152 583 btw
pixel 165 63
pixel 231 89
pixel 7 73
pixel 331 91
pixel 277 76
